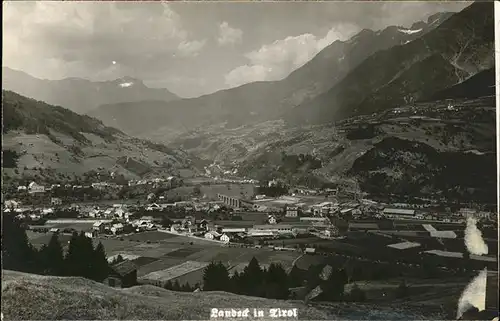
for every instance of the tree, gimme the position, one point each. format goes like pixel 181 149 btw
pixel 252 279
pixel 356 294
pixel 17 252
pixel 168 285
pixel 176 286
pixel 333 287
pixel 215 277
pixel 52 257
pixel 276 282
pixel 296 277
pixel 100 266
pixel 166 222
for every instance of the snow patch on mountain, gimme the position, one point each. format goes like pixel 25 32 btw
pixel 410 31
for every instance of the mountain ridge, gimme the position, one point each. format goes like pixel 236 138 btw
pixel 81 95
pixel 258 101
pixel 51 141
pixel 464 41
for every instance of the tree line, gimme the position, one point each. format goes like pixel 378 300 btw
pixel 275 283
pixel 81 259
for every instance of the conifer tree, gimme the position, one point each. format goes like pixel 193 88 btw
pixel 216 277
pixel 71 261
pixel 252 279
pixel 276 282
pixel 100 266
pixel 168 285
pixel 17 252
pixel 176 286
pixel 52 257
pixel 296 277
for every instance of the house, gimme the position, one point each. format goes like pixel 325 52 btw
pixel 34 188
pixel 55 201
pixel 90 234
pixel 292 211
pixel 11 204
pixel 212 235
pixel 225 238
pixel 100 226
pixel 117 228
pixel 22 188
pixel 272 219
pixel 331 232
pixel 122 275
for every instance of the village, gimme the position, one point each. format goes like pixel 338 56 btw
pixel 179 226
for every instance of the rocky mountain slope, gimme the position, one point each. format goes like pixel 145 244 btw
pixel 54 142
pixel 35 297
pixel 261 101
pixel 459 48
pixel 80 95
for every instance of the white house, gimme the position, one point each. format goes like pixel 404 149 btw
pixel 11 204
pixel 292 211
pixel 212 235
pixel 34 188
pixel 272 219
pixel 225 238
pixel 21 188
pixel 116 228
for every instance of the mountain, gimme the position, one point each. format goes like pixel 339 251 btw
pixel 80 95
pixel 480 85
pixel 54 142
pixel 428 141
pixel 457 49
pixel 35 297
pixel 260 101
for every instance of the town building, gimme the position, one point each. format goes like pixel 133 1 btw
pixel 398 213
pixel 292 211
pixel 122 275
pixel 212 235
pixel 34 188
pixel 225 238
pixel 272 219
pixel 56 201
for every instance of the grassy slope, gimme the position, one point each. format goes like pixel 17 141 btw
pixel 36 297
pixel 63 142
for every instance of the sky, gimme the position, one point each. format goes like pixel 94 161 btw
pixel 191 48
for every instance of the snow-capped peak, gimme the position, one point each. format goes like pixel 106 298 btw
pixel 126 84
pixel 409 31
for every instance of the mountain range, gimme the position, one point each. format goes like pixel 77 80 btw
pixel 459 48
pixel 260 101
pixel 80 95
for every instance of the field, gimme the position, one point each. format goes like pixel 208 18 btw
pixel 235 190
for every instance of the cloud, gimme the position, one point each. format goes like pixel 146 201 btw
pixel 79 39
pixel 276 60
pixel 191 48
pixel 228 35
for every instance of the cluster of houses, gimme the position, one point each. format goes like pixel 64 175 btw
pixel 294 206
pixel 169 182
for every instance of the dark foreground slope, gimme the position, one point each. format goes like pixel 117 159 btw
pixel 34 297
